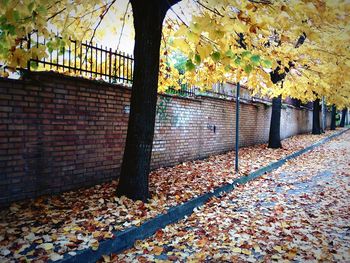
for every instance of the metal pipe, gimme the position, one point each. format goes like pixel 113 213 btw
pixel 237 125
pixel 324 124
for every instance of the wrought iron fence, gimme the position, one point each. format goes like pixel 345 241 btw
pixel 83 59
pixel 97 62
pixel 184 91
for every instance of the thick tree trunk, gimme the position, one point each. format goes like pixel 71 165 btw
pixel 333 116
pixel 274 136
pixel 275 123
pixel 343 115
pixel 148 20
pixel 316 129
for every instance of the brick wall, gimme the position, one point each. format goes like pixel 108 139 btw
pixel 59 133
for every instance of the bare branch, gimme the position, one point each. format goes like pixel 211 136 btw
pixel 216 12
pixel 121 32
pixel 56 14
pixel 264 2
pixel 97 26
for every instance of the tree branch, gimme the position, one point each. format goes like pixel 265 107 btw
pixel 216 12
pixel 56 14
pixel 121 32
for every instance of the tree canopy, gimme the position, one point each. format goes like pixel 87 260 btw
pixel 226 40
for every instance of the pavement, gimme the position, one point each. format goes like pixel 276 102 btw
pixel 297 213
pixel 222 210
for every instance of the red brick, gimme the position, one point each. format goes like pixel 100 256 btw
pixel 78 137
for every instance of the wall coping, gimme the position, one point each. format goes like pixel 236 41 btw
pixel 35 75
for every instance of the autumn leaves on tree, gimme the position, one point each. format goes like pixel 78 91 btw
pixel 249 42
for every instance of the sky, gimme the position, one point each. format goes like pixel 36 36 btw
pixel 113 22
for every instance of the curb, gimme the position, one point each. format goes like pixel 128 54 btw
pixel 126 238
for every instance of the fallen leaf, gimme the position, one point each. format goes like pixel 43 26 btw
pixel 46 246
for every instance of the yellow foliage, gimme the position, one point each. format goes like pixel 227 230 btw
pixel 229 40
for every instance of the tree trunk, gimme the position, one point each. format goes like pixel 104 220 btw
pixel 343 115
pixel 274 136
pixel 316 129
pixel 296 103
pixel 333 116
pixel 148 20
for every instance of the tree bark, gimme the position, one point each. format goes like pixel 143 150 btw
pixel 316 128
pixel 275 124
pixel 333 115
pixel 274 135
pixel 148 20
pixel 343 115
pixel 296 103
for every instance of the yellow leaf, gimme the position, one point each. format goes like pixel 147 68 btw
pixel 55 256
pixel 257 249
pixel 246 252
pixel 96 234
pixel 106 258
pixel 193 37
pixel 108 235
pixel 239 27
pixel 47 246
pixel 236 250
pixel 4 74
pixel 278 248
pixel 94 245
pixel 181 44
pixel 284 224
pixel 275 257
pixel 138 244
pixel 204 50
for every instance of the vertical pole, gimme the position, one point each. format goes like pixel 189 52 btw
pixel 28 47
pixel 237 125
pixel 110 66
pixel 324 124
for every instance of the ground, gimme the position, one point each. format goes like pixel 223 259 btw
pixel 298 213
pixel 270 217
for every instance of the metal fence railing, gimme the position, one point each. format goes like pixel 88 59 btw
pixel 184 91
pixel 82 59
pixel 102 63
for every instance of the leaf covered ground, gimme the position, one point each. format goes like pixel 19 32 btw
pixel 298 213
pixel 47 227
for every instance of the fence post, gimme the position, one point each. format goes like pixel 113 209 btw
pixel 110 65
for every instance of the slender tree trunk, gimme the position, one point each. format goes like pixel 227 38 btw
pixel 274 136
pixel 343 115
pixel 333 116
pixel 316 129
pixel 296 103
pixel 148 20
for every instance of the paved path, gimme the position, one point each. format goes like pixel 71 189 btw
pixel 299 213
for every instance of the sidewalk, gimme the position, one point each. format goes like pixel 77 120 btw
pixel 300 212
pixel 48 227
